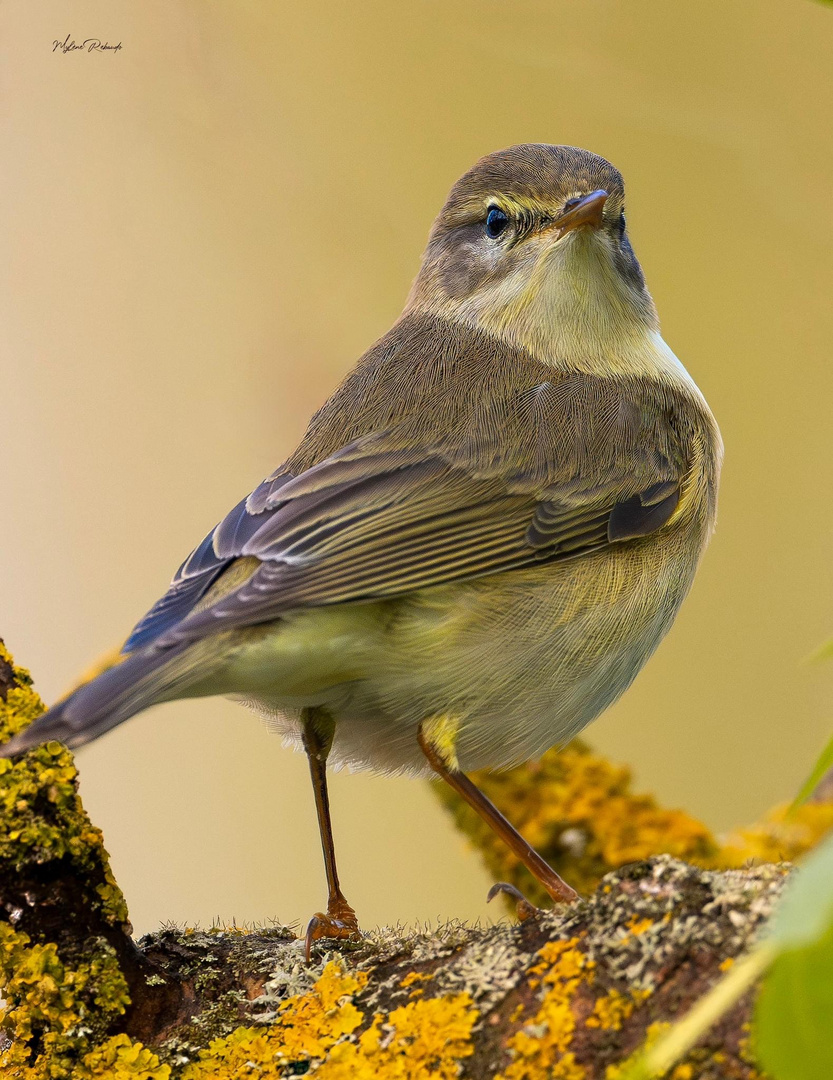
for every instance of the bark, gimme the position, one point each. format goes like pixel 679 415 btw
pixel 571 993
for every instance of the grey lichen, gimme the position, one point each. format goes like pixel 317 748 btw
pixel 653 937
pixel 566 995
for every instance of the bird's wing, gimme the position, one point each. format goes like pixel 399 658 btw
pixel 390 513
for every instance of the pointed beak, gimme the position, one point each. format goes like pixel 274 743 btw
pixel 587 211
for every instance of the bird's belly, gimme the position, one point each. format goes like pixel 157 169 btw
pixel 521 661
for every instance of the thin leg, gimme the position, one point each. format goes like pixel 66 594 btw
pixel 340 919
pixel 559 890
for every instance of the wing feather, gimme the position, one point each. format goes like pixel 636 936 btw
pixel 401 509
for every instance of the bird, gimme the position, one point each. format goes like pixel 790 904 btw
pixel 482 536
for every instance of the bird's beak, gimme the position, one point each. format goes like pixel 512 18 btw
pixel 586 212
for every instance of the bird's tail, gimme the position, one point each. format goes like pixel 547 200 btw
pixel 134 682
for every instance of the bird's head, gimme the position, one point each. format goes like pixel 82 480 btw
pixel 532 246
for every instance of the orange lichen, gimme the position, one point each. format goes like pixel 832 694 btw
pixel 542 1047
pixel 422 1040
pixel 638 926
pixel 415 976
pixel 306 1027
pixel 781 835
pixel 417 1041
pixel 577 808
pixel 580 812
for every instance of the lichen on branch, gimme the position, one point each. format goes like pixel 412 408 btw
pixel 568 995
pixel 580 811
pixel 67 960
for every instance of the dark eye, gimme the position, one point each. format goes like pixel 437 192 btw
pixel 496 222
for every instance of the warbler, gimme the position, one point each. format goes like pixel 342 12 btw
pixel 482 536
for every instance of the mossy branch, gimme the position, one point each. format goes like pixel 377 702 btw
pixel 569 995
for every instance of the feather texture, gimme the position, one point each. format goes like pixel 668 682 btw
pixel 491 462
pixel 517 481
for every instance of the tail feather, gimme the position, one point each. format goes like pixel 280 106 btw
pixel 142 678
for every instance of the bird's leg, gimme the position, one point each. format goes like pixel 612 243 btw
pixel 436 739
pixel 340 920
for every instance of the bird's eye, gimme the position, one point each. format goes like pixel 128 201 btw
pixel 496 222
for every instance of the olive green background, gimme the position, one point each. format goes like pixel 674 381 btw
pixel 201 233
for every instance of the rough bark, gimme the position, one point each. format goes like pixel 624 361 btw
pixel 570 994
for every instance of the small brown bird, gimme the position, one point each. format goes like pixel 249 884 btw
pixel 483 535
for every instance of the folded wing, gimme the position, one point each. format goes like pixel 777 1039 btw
pixel 390 513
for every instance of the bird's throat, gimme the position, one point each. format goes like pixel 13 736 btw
pixel 572 309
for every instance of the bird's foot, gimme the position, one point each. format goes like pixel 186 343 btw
pixel 339 924
pixel 523 908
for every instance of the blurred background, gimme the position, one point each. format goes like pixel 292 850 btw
pixel 203 231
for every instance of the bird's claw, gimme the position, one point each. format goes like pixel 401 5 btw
pixel 341 926
pixel 523 908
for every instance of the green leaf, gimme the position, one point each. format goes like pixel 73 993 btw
pixel 794 1014
pixel 806 909
pixel 794 1029
pixel 821 767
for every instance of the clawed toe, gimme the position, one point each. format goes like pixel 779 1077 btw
pixel 343 927
pixel 523 908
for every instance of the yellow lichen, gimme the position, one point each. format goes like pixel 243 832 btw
pixel 41 989
pixel 541 1048
pixel 780 836
pixel 65 1003
pixel 418 1041
pixel 307 1026
pixel 579 811
pixel 68 1006
pixel 414 976
pixel 119 1058
pixel 612 1010
pixel 48 776
pixel 638 926
pixel 422 1040
pixel 577 808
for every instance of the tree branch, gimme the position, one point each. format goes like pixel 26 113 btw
pixel 570 994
